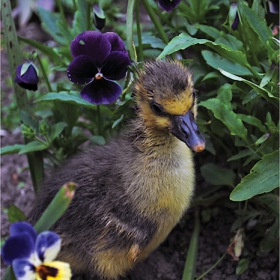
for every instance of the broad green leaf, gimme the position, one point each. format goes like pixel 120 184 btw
pixel 225 93
pixel 263 92
pixel 257 24
pixel 65 97
pixel 184 41
pixel 230 41
pixel 210 31
pixel 13 149
pixel 217 175
pixel 224 113
pixel 253 121
pixel 49 22
pixel 150 40
pixel 242 266
pixel 43 48
pixel 216 61
pixel 15 214
pixel 263 178
pixel 80 17
pixel 57 129
pixel 32 147
pixel 241 154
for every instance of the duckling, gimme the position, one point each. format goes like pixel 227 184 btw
pixel 134 190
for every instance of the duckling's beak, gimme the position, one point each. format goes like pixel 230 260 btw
pixel 185 129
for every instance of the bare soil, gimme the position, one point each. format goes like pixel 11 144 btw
pixel 167 262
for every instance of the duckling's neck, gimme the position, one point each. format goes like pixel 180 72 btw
pixel 149 139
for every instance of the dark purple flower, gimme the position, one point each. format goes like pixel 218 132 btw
pixel 27 76
pixel 169 5
pixel 98 60
pixel 273 6
pixel 99 17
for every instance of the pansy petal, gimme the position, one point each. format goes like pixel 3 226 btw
pixel 115 40
pixel 81 70
pixel 24 270
pixel 17 246
pixel 93 44
pixel 29 77
pixel 55 270
pixel 47 246
pixel 168 5
pixel 116 66
pixel 20 227
pixel 101 91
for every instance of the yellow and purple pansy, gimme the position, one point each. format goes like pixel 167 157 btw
pixel 32 256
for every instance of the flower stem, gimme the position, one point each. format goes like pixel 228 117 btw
pixel 129 28
pixel 140 47
pixel 44 73
pixel 156 22
pixel 61 11
pixel 98 120
pixel 207 271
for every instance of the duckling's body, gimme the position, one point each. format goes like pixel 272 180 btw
pixel 132 191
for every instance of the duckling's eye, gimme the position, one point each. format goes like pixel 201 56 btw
pixel 157 109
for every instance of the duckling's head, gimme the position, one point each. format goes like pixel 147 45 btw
pixel 167 102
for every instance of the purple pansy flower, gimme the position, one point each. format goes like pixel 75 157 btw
pixel 32 256
pixel 233 16
pixel 98 60
pixel 99 17
pixel 169 5
pixel 27 76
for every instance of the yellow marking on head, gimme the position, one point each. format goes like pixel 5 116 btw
pixel 178 105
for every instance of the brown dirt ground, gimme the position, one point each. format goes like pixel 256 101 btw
pixel 167 262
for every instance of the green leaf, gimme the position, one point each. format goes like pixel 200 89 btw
pixel 65 97
pixel 263 92
pixel 256 23
pixel 263 178
pixel 253 121
pixel 57 129
pixel 15 214
pixel 57 207
pixel 215 61
pixel 241 154
pixel 184 41
pixel 262 139
pixel 242 266
pixel 49 21
pixel 80 17
pixel 32 147
pixel 224 113
pixel 217 175
pixel 117 121
pixel 43 48
pixel 13 149
pixel 97 139
pixel 210 31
